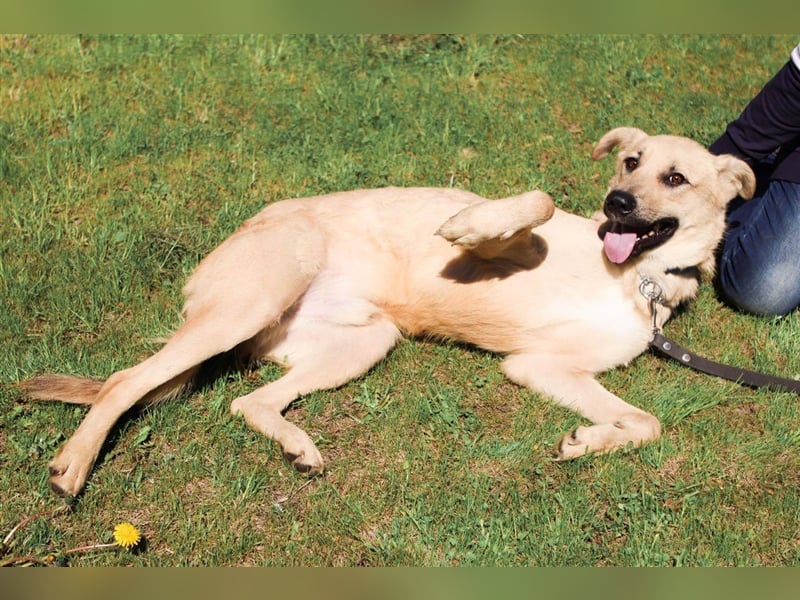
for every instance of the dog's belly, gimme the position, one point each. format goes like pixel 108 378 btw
pixel 384 263
pixel 330 313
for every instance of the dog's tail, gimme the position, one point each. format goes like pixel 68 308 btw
pixel 84 390
pixel 64 388
pixel 74 389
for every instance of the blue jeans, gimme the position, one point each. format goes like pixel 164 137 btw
pixel 759 264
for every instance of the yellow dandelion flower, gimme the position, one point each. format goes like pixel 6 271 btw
pixel 126 535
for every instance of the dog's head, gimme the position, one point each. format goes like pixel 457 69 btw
pixel 668 196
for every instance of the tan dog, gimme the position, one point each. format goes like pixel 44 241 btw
pixel 328 285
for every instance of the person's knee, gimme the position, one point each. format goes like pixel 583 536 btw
pixel 772 291
pixel 758 262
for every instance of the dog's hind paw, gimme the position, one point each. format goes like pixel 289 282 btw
pixel 299 451
pixel 297 447
pixel 308 461
pixel 67 478
pixel 311 468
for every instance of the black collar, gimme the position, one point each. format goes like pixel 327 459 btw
pixel 692 272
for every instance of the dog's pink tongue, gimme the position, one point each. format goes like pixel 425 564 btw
pixel 618 246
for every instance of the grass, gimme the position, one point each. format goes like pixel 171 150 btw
pixel 124 160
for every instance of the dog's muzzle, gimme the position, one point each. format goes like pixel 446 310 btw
pixel 619 204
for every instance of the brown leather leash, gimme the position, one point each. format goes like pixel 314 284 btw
pixel 668 347
pixel 664 345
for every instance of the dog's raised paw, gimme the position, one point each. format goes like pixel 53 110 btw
pixel 457 232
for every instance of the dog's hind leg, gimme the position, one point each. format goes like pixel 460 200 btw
pixel 497 228
pixel 615 423
pixel 230 299
pixel 320 355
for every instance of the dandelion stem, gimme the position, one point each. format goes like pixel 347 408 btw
pixel 80 549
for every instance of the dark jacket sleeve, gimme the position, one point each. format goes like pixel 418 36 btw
pixel 770 120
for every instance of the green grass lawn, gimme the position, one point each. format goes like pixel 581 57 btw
pixel 124 160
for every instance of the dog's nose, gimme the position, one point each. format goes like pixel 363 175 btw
pixel 619 203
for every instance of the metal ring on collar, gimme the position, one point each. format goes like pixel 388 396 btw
pixel 651 290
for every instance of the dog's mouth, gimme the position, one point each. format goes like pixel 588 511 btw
pixel 623 241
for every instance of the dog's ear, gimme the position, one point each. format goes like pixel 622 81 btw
pixel 736 177
pixel 621 136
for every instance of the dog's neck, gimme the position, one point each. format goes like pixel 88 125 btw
pixel 678 284
pixel 691 272
pixel 672 285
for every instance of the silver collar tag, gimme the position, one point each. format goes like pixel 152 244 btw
pixel 654 293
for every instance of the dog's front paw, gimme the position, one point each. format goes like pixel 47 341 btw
pixel 572 445
pixel 476 225
pixel 459 231
pixel 497 221
pixel 629 431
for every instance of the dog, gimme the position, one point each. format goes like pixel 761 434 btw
pixel 327 285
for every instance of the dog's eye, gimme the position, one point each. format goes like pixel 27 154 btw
pixel 674 179
pixel 630 163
